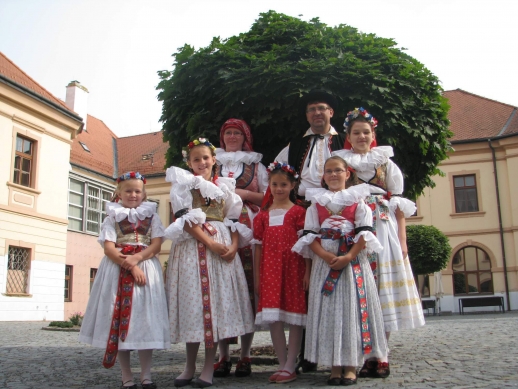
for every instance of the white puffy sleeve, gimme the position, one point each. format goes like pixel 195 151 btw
pixel 311 232
pixel 282 157
pixel 157 228
pixel 232 211
pixel 262 177
pixel 395 185
pixel 108 232
pixel 182 182
pixel 363 227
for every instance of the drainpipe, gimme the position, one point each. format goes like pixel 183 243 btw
pixel 500 225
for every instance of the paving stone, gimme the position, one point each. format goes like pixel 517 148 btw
pixel 470 351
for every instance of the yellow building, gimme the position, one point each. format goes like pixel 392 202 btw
pixel 474 203
pixel 36 131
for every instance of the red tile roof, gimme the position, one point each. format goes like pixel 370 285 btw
pixel 132 148
pixel 476 117
pixel 99 140
pixel 14 73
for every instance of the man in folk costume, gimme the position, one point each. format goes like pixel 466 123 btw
pixel 308 154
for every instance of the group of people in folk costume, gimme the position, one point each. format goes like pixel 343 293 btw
pixel 316 241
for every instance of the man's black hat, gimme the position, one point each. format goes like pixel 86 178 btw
pixel 318 96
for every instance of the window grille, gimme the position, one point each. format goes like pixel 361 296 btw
pixel 68 283
pixel 18 266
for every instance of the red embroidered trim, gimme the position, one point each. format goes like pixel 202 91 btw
pixel 121 310
pixel 205 295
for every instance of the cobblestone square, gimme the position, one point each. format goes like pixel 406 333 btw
pixel 470 351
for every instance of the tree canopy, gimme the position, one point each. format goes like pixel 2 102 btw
pixel 259 76
pixel 428 249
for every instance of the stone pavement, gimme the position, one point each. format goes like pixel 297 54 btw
pixel 470 351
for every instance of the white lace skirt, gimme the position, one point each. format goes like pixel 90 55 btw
pixel 333 333
pixel 231 310
pixel 148 327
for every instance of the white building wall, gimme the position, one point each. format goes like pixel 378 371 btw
pixel 45 300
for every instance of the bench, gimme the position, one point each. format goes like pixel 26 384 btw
pixel 472 302
pixel 428 304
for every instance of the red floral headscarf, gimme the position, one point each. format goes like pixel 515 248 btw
pixel 241 126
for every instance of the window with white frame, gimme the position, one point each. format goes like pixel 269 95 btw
pixel 86 205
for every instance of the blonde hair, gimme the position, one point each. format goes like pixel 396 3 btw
pixel 116 193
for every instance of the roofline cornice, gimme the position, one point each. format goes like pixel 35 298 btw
pixel 478 140
pixel 40 98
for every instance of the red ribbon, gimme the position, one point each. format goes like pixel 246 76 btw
pixel 121 310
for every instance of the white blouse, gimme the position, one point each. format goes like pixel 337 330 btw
pixel 117 213
pixel 366 165
pixel 181 198
pixel 232 163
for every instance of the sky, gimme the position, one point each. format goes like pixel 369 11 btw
pixel 115 47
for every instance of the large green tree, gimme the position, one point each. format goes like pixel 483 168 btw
pixel 260 75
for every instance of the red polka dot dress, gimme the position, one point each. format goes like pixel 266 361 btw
pixel 282 296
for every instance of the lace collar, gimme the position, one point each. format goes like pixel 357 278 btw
pixel 344 197
pixel 119 212
pixel 236 157
pixel 187 181
pixel 376 157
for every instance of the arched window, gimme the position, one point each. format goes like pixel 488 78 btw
pixel 472 271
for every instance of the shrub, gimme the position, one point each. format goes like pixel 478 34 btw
pixel 76 318
pixel 428 249
pixel 61 324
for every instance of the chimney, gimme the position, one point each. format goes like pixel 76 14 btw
pixel 77 99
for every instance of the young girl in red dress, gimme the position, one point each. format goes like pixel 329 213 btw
pixel 281 276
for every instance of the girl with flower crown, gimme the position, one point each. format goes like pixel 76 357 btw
pixel 237 159
pixel 281 276
pixel 127 308
pixel 206 285
pixel 345 324
pixel 398 294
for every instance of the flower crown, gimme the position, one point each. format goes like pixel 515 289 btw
pixel 196 142
pixel 131 175
pixel 360 112
pixel 283 166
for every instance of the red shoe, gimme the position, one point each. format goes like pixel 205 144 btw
pixel 222 368
pixel 383 370
pixel 244 367
pixel 282 379
pixel 273 377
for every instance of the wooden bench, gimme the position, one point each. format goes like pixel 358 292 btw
pixel 428 304
pixel 472 302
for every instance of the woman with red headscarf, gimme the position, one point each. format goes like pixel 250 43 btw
pixel 237 159
pixel 400 302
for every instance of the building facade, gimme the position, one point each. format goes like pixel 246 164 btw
pixel 474 204
pixel 36 131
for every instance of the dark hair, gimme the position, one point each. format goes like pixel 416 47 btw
pixel 358 119
pixel 293 180
pixel 351 181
